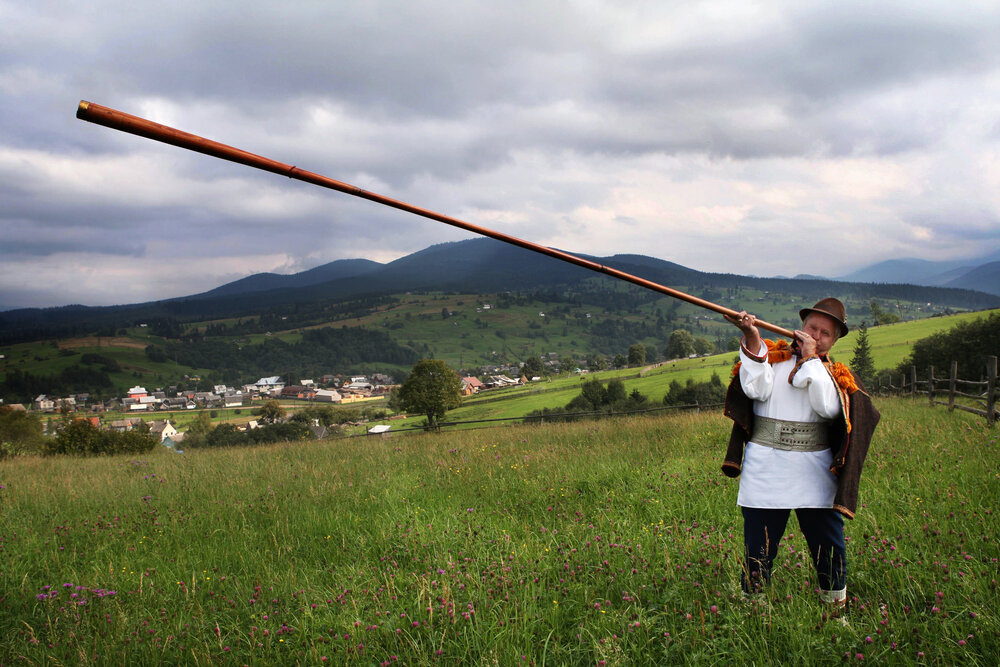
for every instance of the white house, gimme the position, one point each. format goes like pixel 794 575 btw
pixel 270 385
pixel 233 400
pixel 162 428
pixel 328 396
pixel 43 402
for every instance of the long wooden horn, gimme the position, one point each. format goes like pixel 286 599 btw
pixel 118 120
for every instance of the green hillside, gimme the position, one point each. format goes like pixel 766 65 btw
pixel 890 345
pixel 468 331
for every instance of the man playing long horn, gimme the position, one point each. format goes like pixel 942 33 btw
pixel 802 426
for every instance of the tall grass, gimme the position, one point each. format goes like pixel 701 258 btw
pixel 613 542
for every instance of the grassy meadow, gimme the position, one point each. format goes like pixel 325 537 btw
pixel 614 542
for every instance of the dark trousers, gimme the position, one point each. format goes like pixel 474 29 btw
pixel 824 533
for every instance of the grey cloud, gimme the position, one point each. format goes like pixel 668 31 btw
pixel 443 101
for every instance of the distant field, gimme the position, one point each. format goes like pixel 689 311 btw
pixel 99 342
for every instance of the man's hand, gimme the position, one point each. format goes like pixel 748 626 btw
pixel 806 344
pixel 747 323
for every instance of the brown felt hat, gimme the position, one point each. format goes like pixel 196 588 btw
pixel 830 307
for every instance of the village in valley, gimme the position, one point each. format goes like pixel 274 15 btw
pixel 139 406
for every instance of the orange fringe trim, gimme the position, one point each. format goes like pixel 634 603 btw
pixel 842 374
pixel 777 351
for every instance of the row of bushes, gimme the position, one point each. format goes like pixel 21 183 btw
pixel 612 398
pixel 227 435
pixel 81 438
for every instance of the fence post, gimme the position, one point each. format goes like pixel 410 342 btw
pixel 991 384
pixel 951 386
pixel 930 386
pixel 913 380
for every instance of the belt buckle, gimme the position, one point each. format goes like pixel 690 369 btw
pixel 786 435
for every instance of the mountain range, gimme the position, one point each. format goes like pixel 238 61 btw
pixel 483 265
pixel 982 274
pixel 491 265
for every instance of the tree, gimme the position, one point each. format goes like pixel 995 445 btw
pixel 533 367
pixel 81 438
pixel 619 361
pixel 431 390
pixel 636 355
pixel 616 391
pixel 968 343
pixel 863 365
pixel 198 432
pixel 696 393
pixel 592 394
pixel 272 412
pixel 20 432
pixel 680 345
pixel 880 316
pixel 703 345
pixel 597 362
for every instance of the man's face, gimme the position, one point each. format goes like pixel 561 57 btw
pixel 824 330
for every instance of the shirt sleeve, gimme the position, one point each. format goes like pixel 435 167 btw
pixel 815 379
pixel 756 375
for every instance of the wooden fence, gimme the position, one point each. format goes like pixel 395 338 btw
pixel 975 396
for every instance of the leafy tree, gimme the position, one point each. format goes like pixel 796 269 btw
pixel 595 397
pixel 81 438
pixel 616 391
pixel 592 394
pixel 696 393
pixel 636 355
pixel 272 412
pixel 703 345
pixel 968 343
pixel 863 365
pixel 880 316
pixel 20 432
pixel 619 361
pixel 431 389
pixel 197 433
pixel 533 367
pixel 597 362
pixel 680 345
pixel 637 399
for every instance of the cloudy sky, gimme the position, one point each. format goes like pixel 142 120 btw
pixel 761 138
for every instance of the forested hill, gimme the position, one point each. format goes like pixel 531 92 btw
pixel 478 265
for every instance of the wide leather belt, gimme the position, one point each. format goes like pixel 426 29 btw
pixel 790 436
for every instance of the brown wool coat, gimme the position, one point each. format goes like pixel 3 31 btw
pixel 849 448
